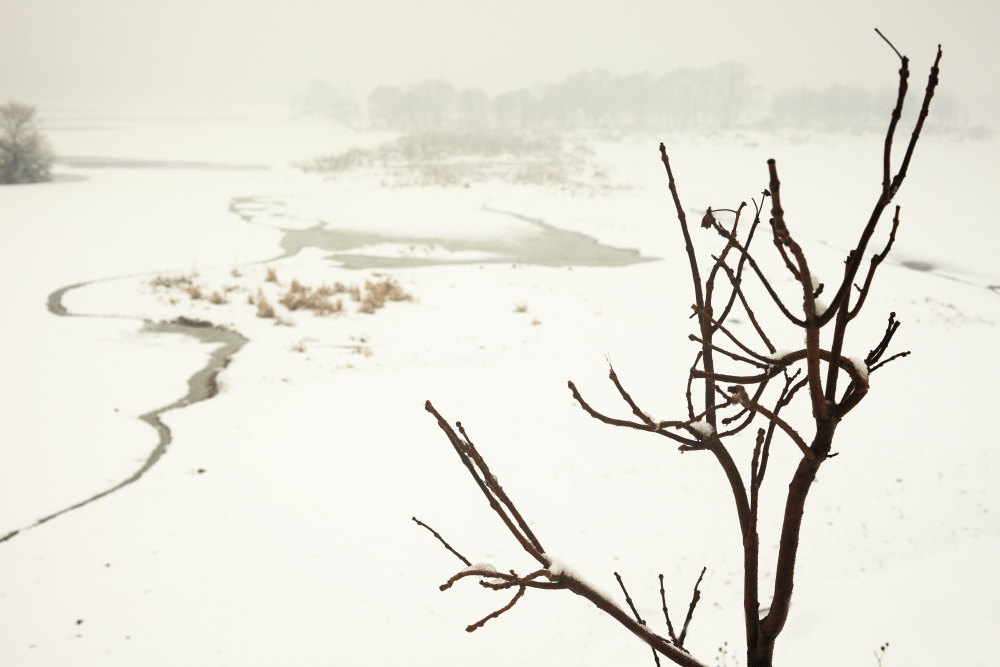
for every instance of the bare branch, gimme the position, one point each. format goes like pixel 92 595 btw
pixel 682 218
pixel 820 408
pixel 635 612
pixel 877 259
pixel 738 292
pixel 731 355
pixel 736 280
pixel 760 276
pixel 884 362
pixel 481 622
pixel 666 612
pixel 718 325
pixel 897 112
pixel 491 489
pixel 695 596
pixel 646 419
pixel 652 428
pixel 494 485
pixel 740 394
pixel 442 541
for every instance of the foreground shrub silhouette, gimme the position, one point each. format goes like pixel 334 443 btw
pixel 723 403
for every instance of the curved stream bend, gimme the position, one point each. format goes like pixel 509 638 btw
pixel 202 385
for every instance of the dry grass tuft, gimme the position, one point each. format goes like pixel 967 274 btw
pixel 521 308
pixel 301 297
pixel 218 299
pixel 380 291
pixel 331 290
pixel 172 282
pixel 194 292
pixel 235 273
pixel 272 275
pixel 264 308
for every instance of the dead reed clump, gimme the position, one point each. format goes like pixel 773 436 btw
pixel 172 282
pixel 264 307
pixel 331 290
pixel 380 291
pixel 301 297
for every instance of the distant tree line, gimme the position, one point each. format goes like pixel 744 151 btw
pixel 718 97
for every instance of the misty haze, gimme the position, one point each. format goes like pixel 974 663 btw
pixel 243 243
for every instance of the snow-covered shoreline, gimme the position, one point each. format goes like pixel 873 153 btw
pixel 294 544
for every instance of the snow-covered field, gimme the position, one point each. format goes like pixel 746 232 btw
pixel 276 528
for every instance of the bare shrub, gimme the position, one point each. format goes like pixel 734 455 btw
pixel 25 155
pixel 728 390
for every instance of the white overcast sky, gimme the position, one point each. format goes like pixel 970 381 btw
pixel 219 52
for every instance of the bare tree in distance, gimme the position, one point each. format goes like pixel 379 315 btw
pixel 724 403
pixel 25 156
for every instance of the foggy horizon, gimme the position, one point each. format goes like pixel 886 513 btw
pixel 115 54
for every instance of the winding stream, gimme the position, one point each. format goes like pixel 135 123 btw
pixel 548 245
pixel 201 385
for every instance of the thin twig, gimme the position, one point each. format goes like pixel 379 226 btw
pixel 731 336
pixel 738 292
pixel 732 355
pixel 695 596
pixel 741 397
pixel 885 361
pixel 635 612
pixel 666 612
pixel 481 622
pixel 442 541
pixel 877 259
pixel 646 419
pixel 652 428
pixel 760 276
